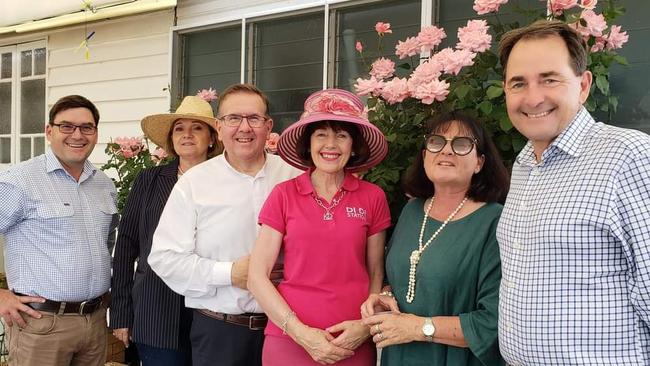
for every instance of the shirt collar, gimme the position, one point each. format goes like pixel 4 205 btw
pixel 52 163
pixel 260 174
pixel 305 187
pixel 569 141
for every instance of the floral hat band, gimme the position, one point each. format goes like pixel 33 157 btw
pixel 332 102
pixel 334 105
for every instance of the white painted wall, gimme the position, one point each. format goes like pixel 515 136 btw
pixel 125 75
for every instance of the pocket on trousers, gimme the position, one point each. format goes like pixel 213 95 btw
pixel 41 326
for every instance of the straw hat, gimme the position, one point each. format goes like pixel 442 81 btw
pixel 334 105
pixel 156 127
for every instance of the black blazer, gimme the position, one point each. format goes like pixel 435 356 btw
pixel 155 315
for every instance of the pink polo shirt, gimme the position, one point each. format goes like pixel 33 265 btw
pixel 325 276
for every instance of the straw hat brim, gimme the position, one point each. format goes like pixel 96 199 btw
pixel 288 143
pixel 156 127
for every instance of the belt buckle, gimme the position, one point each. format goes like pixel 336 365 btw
pixel 82 306
pixel 250 322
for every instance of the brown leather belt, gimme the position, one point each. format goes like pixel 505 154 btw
pixel 67 307
pixel 251 320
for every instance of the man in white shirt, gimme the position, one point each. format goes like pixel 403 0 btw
pixel 208 228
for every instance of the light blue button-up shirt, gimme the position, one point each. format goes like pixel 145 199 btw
pixel 58 231
pixel 575 250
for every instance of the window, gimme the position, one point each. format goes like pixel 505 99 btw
pixel 22 102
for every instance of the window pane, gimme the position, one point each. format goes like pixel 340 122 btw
pixel 26 63
pixel 5 63
pixel 32 106
pixel 5 108
pixel 5 150
pixel 39 145
pixel 358 24
pixel 25 148
pixel 39 61
pixel 288 63
pixel 212 59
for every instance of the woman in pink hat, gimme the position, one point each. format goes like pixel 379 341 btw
pixel 330 226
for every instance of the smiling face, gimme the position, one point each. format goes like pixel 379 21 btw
pixel 330 149
pixel 191 139
pixel 543 93
pixel 243 144
pixel 72 150
pixel 446 169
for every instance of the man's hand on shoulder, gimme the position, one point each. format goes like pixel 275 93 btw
pixel 239 272
pixel 11 305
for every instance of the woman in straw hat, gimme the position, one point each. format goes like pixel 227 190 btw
pixel 330 226
pixel 143 309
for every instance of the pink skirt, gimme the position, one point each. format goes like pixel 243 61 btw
pixel 283 351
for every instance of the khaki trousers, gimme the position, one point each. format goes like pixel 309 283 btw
pixel 59 340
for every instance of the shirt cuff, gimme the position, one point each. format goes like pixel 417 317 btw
pixel 221 274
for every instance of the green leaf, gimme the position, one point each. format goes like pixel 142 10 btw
pixel 462 90
pixel 621 60
pixel 518 143
pixel 505 124
pixel 613 102
pixel 494 92
pixel 602 84
pixel 485 107
pixel 405 66
pixel 372 102
pixel 590 104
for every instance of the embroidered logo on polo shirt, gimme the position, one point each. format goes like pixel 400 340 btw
pixel 356 212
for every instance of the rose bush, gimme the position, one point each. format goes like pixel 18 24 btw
pixel 468 77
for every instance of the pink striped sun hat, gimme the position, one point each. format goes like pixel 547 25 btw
pixel 334 105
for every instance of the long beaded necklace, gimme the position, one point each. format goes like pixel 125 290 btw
pixel 415 255
pixel 328 216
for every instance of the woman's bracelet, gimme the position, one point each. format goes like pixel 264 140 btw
pixel 285 321
pixel 387 293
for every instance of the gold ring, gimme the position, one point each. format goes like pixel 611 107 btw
pixel 380 336
pixel 377 328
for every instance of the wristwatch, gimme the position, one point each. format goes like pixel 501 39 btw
pixel 428 329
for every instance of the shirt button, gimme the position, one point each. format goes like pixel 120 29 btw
pixel 508 326
pixel 517 245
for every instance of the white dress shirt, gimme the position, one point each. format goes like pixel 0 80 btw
pixel 209 221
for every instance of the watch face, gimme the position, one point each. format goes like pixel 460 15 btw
pixel 428 330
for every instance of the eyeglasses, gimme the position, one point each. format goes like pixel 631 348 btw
pixel 460 145
pixel 234 120
pixel 68 128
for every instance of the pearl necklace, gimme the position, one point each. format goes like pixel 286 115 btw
pixel 328 216
pixel 180 170
pixel 415 255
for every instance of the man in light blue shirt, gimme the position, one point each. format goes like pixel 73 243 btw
pixel 57 215
pixel 574 234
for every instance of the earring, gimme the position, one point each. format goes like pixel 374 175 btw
pixel 210 146
pixel 353 153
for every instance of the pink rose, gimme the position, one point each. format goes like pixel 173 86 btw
pixel 382 28
pixel 616 38
pixel 599 45
pixel 596 23
pixel 370 86
pixel 487 6
pixel 359 47
pixel 432 91
pixel 474 37
pixel 382 68
pixel 427 71
pixel 407 48
pixel 429 37
pixel 558 6
pixel 453 61
pixel 207 94
pixel 272 143
pixel 395 91
pixel 588 4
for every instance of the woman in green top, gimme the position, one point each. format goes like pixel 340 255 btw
pixel 443 264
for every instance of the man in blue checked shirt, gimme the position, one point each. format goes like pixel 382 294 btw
pixel 57 215
pixel 575 230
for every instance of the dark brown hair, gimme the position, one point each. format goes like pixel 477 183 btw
pixel 543 29
pixel 360 149
pixel 489 185
pixel 70 102
pixel 243 88
pixel 216 149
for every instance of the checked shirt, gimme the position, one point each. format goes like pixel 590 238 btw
pixel 575 249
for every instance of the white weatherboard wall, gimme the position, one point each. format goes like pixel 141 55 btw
pixel 124 76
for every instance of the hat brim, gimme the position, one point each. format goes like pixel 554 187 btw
pixel 156 127
pixel 377 145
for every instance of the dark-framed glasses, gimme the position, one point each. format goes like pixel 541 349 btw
pixel 68 128
pixel 234 120
pixel 460 145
